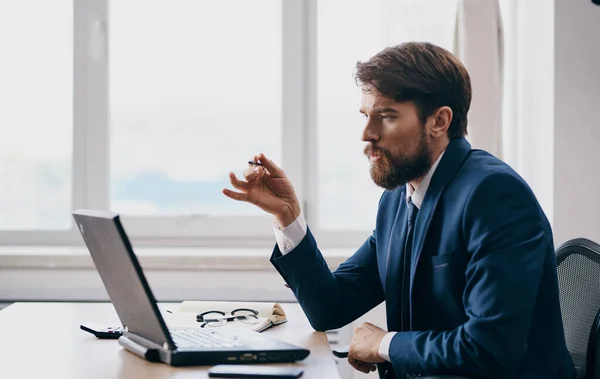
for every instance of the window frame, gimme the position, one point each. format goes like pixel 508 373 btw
pixel 91 143
pixel 89 123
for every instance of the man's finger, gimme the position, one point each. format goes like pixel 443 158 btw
pixel 252 173
pixel 274 170
pixel 235 195
pixel 361 366
pixel 357 365
pixel 237 183
pixel 368 366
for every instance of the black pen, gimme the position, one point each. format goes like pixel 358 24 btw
pixel 255 163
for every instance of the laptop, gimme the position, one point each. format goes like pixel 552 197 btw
pixel 145 331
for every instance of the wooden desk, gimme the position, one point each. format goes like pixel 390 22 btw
pixel 40 340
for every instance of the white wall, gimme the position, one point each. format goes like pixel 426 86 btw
pixel 534 96
pixel 577 120
pixel 553 92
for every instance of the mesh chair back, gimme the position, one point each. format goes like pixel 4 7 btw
pixel 578 264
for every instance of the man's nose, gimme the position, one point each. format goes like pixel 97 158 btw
pixel 369 133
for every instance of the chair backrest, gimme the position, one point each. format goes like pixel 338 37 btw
pixel 578 262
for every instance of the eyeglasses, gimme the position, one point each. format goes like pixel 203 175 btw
pixel 219 318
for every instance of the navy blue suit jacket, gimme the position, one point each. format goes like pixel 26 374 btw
pixel 483 284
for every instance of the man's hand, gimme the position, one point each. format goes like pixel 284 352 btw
pixel 268 188
pixel 364 348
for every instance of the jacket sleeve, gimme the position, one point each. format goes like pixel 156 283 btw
pixel 331 299
pixel 507 236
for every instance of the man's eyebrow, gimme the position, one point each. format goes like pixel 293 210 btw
pixel 384 110
pixel 379 110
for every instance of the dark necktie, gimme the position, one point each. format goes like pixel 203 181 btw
pixel 411 217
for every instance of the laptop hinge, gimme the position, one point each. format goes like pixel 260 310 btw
pixel 145 342
pixel 149 354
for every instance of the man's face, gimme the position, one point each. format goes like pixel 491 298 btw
pixel 398 144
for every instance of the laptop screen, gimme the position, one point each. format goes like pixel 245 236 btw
pixel 122 275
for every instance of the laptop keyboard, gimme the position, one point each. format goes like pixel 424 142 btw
pixel 202 338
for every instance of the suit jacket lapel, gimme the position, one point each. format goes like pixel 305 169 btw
pixel 453 158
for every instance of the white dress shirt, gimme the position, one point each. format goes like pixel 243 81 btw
pixel 290 236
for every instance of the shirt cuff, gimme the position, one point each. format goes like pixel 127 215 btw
pixel 384 346
pixel 290 236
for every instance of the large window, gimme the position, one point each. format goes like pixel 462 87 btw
pixel 143 107
pixel 195 90
pixel 36 127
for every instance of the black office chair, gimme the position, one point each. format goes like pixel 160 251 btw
pixel 578 262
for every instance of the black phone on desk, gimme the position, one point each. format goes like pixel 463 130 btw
pixel 254 371
pixel 102 332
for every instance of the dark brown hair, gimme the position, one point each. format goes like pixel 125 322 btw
pixel 423 73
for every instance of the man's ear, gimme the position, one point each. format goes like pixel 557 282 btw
pixel 441 120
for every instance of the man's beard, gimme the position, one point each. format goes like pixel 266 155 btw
pixel 391 171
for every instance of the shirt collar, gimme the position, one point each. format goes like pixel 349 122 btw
pixel 418 194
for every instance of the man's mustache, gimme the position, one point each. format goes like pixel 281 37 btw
pixel 370 149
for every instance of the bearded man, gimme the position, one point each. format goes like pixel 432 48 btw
pixel 462 252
